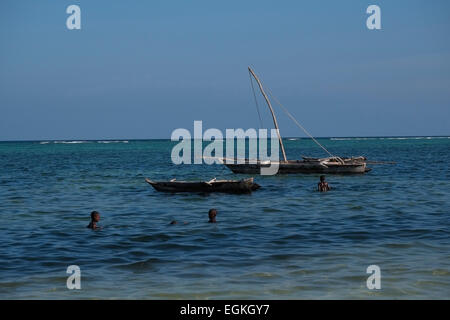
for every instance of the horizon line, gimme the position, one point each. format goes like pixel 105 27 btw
pixel 288 137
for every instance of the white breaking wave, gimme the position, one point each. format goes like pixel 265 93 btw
pixel 83 141
pixel 112 141
pixel 344 139
pixel 71 142
pixel 390 138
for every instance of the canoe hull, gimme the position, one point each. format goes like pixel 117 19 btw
pixel 236 187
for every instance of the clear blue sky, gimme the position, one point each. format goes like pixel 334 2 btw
pixel 140 69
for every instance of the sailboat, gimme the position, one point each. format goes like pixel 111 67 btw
pixel 328 165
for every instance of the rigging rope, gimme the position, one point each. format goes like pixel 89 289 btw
pixel 298 124
pixel 256 101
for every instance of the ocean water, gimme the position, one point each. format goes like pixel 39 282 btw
pixel 284 241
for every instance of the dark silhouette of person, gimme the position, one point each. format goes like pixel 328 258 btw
pixel 323 186
pixel 212 215
pixel 95 218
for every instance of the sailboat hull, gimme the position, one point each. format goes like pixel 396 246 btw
pixel 292 167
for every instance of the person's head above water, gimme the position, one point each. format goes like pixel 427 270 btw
pixel 322 178
pixel 212 215
pixel 95 216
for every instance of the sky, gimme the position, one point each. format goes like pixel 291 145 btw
pixel 141 69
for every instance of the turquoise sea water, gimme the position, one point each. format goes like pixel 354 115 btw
pixel 284 241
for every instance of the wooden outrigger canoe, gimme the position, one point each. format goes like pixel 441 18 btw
pixel 225 186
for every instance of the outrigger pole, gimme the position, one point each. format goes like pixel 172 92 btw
pixel 271 110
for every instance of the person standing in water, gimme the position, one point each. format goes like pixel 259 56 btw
pixel 323 186
pixel 212 215
pixel 95 218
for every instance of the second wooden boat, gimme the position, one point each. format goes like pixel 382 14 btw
pixel 225 186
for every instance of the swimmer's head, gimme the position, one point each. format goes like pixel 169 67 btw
pixel 95 216
pixel 212 215
pixel 322 178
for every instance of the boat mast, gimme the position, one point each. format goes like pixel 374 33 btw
pixel 271 110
